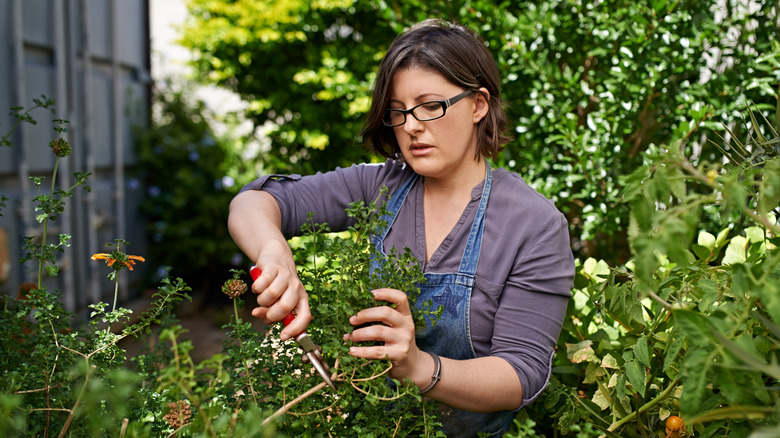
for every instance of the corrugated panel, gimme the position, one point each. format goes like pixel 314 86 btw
pixel 92 57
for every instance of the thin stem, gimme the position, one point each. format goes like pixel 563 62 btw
pixel 663 302
pixel 175 432
pixel 645 407
pixel 48 379
pixel 397 425
pixel 46 223
pixel 78 399
pixel 294 402
pixel 316 411
pixel 123 430
pixel 185 390
pixel 241 351
pixel 303 396
pixel 116 290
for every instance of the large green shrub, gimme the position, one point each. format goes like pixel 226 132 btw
pixel 190 175
pixel 690 326
pixel 589 85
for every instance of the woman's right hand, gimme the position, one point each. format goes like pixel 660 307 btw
pixel 279 292
pixel 255 225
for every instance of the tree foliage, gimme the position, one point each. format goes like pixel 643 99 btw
pixel 190 174
pixel 589 85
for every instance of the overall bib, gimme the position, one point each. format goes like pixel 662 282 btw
pixel 451 337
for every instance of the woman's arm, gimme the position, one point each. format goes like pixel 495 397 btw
pixel 254 222
pixel 483 384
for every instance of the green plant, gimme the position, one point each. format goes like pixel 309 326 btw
pixel 52 373
pixel 690 325
pixel 335 270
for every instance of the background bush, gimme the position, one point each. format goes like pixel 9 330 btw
pixel 589 85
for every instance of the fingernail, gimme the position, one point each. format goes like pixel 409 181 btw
pixel 284 336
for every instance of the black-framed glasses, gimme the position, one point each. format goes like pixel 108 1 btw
pixel 423 112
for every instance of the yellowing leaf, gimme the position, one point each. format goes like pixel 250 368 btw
pixel 580 352
pixel 706 240
pixel 595 269
pixel 609 362
pixel 593 372
pixel 722 236
pixel 736 251
pixel 601 400
pixel 755 234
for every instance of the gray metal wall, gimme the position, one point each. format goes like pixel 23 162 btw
pixel 92 57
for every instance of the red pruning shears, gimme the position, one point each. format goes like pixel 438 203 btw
pixel 311 352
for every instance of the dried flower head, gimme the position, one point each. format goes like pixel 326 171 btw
pixel 60 146
pixel 179 414
pixel 234 288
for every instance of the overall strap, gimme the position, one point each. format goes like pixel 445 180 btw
pixel 468 264
pixel 393 207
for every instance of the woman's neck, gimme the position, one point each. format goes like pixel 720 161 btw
pixel 459 182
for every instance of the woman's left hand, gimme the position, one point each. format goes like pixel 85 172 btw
pixel 396 332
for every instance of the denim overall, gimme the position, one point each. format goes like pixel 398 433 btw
pixel 451 336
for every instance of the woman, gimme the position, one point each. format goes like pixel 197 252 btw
pixel 494 252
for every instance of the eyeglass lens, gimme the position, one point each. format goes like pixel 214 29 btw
pixel 423 112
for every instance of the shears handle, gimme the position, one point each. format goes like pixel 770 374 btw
pixel 255 272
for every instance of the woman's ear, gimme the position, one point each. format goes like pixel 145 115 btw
pixel 481 105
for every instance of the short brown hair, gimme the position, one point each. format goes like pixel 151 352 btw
pixel 457 53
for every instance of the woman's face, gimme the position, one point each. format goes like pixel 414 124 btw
pixel 442 148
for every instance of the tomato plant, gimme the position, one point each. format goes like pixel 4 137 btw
pixel 688 328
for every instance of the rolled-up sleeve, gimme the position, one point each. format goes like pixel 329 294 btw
pixel 532 307
pixel 325 195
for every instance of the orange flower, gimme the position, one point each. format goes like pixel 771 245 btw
pixel 103 256
pixel 111 259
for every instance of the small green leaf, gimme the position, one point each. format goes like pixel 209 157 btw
pixel 636 376
pixel 673 351
pixel 702 252
pixel 641 351
pixel 722 237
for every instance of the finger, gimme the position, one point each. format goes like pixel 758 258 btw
pixel 381 314
pixel 264 279
pixel 285 303
pixel 394 296
pixel 301 321
pixel 377 333
pixel 369 352
pixel 260 313
pixel 279 284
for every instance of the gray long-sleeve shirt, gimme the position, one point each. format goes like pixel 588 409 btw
pixel 525 272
